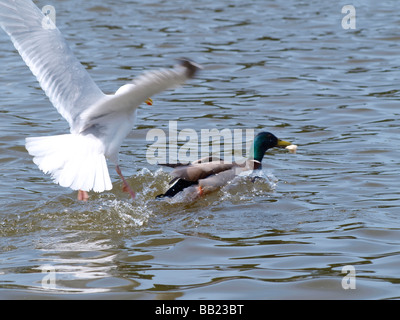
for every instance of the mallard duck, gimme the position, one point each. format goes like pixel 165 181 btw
pixel 98 122
pixel 208 174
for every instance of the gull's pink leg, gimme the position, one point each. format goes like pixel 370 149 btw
pixel 83 195
pixel 126 187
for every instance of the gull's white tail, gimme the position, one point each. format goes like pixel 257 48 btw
pixel 73 160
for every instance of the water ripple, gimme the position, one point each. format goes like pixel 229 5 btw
pixel 288 68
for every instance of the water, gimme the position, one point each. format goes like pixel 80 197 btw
pixel 286 67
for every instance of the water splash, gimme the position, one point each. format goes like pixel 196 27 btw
pixel 246 185
pixel 114 213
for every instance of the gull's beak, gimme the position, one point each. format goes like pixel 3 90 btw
pixel 149 101
pixel 283 143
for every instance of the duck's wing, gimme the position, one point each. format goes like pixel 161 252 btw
pixel 194 172
pixel 207 160
pixel 41 45
pixel 220 179
pixel 202 160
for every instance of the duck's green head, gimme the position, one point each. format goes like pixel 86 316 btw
pixel 264 141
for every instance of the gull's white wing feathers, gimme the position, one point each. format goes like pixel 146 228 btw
pixel 43 48
pixel 130 96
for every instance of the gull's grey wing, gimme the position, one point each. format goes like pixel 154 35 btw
pixel 41 45
pixel 130 96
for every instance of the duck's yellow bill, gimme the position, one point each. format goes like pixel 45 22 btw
pixel 283 143
pixel 149 101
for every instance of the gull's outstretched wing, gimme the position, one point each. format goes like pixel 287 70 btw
pixel 131 95
pixel 41 45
